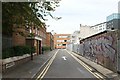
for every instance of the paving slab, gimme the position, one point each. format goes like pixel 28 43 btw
pixel 106 72
pixel 30 68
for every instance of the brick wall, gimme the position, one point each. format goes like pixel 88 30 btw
pixel 18 39
pixel 42 33
pixel 50 40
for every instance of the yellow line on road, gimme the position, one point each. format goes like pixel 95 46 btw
pixel 44 71
pixel 86 67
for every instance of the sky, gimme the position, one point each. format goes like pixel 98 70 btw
pixel 76 12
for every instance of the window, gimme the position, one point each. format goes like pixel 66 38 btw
pixel 73 36
pixel 64 44
pixel 69 36
pixel 59 44
pixel 57 36
pixel 68 40
pixel 60 40
pixel 112 28
pixel 65 40
pixel 33 27
pixel 63 36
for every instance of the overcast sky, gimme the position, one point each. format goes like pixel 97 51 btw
pixel 76 12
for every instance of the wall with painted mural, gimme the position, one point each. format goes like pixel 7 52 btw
pixel 102 48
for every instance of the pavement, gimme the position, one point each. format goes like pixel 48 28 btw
pixel 30 68
pixel 104 71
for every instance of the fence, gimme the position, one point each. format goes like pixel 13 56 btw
pixel 101 48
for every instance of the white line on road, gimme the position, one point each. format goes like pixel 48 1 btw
pixel 80 70
pixel 85 66
pixel 47 67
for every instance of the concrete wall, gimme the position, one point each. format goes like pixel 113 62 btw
pixel 118 51
pixel 103 49
pixel 75 37
pixel 13 62
pixel 118 62
pixel 86 31
pixel 69 47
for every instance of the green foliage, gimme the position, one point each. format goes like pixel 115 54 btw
pixel 33 49
pixel 46 48
pixel 24 14
pixel 17 51
pixel 26 49
pixel 7 53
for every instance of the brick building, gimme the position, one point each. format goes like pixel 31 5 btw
pixel 38 38
pixel 60 40
pixel 42 33
pixel 50 40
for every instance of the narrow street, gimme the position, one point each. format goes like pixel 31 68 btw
pixel 60 39
pixel 63 65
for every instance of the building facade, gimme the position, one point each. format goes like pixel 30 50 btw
pixel 35 37
pixel 113 24
pixel 113 21
pixel 113 16
pixel 86 31
pixel 75 37
pixel 43 34
pixel 99 27
pixel 50 40
pixel 61 40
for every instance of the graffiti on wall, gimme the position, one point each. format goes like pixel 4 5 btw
pixel 100 45
pixel 101 48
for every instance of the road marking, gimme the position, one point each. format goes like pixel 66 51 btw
pixel 86 67
pixel 64 57
pixel 44 71
pixel 98 75
pixel 80 70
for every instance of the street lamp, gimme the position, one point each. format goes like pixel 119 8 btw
pixel 31 42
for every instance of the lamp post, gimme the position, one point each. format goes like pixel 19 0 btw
pixel 31 42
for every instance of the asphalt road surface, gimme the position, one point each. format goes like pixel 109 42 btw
pixel 65 66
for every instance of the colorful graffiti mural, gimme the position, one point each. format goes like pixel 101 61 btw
pixel 101 49
pixel 102 45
